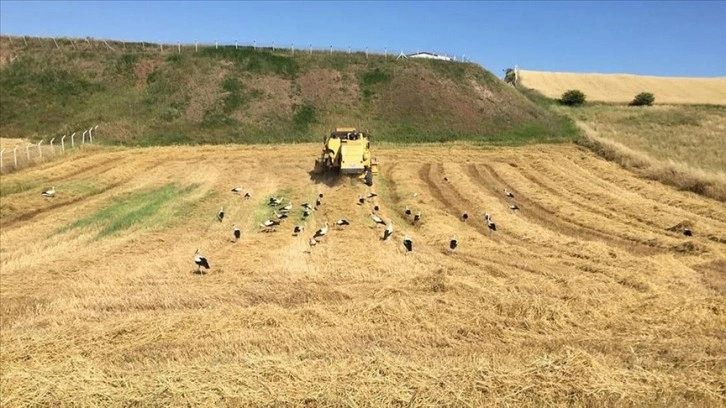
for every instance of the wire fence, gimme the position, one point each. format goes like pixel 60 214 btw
pixel 19 43
pixel 27 154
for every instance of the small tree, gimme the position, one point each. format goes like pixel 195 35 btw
pixel 510 76
pixel 573 97
pixel 643 99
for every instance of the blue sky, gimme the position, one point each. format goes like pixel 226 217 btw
pixel 664 38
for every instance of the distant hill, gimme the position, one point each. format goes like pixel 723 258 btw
pixel 623 87
pixel 146 96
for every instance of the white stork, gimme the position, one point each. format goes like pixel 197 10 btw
pixel 453 243
pixel 371 195
pixel 248 195
pixel 322 231
pixel 201 261
pixel 237 190
pixel 236 232
pixel 376 208
pixel 492 226
pixel 297 230
pixel 513 207
pixel 687 232
pixel 407 211
pixel 361 200
pixel 417 217
pixel 377 219
pixel 408 243
pixel 48 193
pixel 508 193
pixel 342 222
pixel 280 216
pixel 220 214
pixel 388 232
pixel 286 208
pixel 269 224
pixel 464 217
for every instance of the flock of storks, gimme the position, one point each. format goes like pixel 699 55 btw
pixel 277 204
pixel 281 212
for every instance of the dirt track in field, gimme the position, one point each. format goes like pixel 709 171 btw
pixel 590 289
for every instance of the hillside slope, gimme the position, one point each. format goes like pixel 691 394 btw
pixel 623 87
pixel 146 96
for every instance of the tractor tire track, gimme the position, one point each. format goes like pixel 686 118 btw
pixel 552 221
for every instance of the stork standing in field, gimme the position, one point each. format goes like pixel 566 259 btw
pixel 297 230
pixel 508 193
pixel 407 211
pixel 269 225
pixel 361 200
pixel 286 208
pixel 318 202
pixel 48 193
pixel 687 232
pixel 407 243
pixel 201 261
pixel 322 231
pixel 377 219
pixel 237 190
pixel 376 208
pixel 514 207
pixel 453 244
pixel 237 233
pixel 342 223
pixel 490 222
pixel 417 217
pixel 371 195
pixel 388 232
pixel 464 217
pixel 248 195
pixel 220 214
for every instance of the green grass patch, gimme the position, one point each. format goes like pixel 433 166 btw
pixel 19 186
pixel 260 61
pixel 153 208
pixel 263 211
pixel 671 117
pixel 304 116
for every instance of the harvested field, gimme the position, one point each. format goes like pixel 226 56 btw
pixel 589 295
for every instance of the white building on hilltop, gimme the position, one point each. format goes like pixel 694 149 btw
pixel 429 55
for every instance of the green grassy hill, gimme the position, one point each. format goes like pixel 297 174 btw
pixel 145 96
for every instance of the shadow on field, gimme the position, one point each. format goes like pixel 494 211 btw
pixel 330 179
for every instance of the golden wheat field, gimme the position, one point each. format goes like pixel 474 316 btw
pixel 622 88
pixel 588 295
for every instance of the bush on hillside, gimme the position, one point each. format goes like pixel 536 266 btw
pixel 643 99
pixel 573 97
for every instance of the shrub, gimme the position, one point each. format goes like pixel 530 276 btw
pixel 573 97
pixel 643 99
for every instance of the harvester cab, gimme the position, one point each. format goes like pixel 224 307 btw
pixel 347 151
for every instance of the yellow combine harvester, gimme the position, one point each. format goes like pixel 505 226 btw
pixel 347 151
